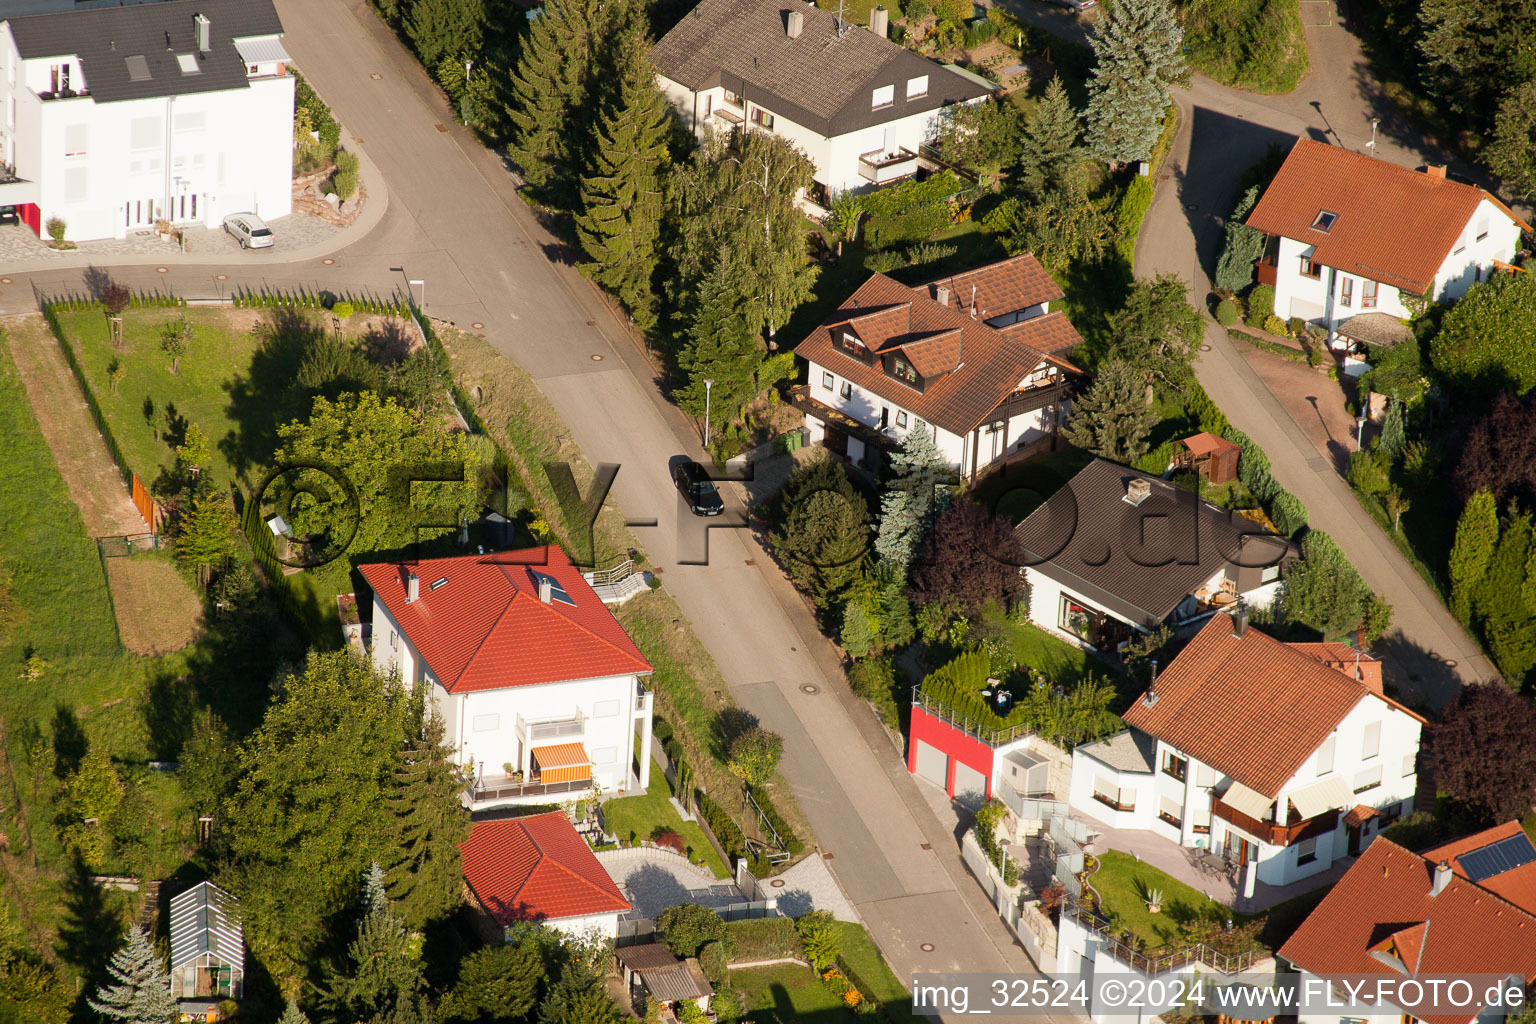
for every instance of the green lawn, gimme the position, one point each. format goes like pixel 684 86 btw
pixel 1123 881
pixel 1058 660
pixel 642 816
pixel 865 962
pixel 789 993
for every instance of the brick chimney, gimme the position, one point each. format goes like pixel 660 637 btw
pixel 1435 170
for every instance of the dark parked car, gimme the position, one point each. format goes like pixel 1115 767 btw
pixel 9 215
pixel 697 489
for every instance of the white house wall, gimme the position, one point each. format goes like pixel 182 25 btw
pixel 1087 770
pixel 1471 258
pixel 233 149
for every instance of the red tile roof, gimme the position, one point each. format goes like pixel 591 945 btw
pixel 1361 814
pixel 1384 898
pixel 484 627
pixel 1249 706
pixel 1517 885
pixel 1394 225
pixel 1002 287
pixel 1349 660
pixel 536 869
pixel 969 367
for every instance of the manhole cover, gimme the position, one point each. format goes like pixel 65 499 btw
pixel 810 688
pixel 927 846
pixel 777 883
pixel 1205 348
pixel 376 77
pixel 926 947
pixel 596 358
pixel 221 277
pixel 439 127
pixel 328 262
pixel 477 325
pixel 162 270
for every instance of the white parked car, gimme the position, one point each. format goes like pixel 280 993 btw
pixel 250 229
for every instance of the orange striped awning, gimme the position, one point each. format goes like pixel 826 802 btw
pixel 562 762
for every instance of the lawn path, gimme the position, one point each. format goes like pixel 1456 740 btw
pixel 93 480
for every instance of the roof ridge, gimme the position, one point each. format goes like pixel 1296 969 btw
pixel 490 630
pixel 1529 914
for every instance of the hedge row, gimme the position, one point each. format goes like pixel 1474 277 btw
pixel 51 315
pixel 72 303
pixel 303 298
pixel 792 842
pixel 1285 510
pixel 765 938
pixel 721 824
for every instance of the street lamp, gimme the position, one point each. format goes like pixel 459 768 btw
pixel 708 384
pixel 423 293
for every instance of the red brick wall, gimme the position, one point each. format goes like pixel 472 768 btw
pixel 938 733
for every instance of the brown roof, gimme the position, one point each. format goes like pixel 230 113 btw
pixel 1249 706
pixel 647 956
pixel 1518 885
pixel 1381 329
pixel 1394 225
pixel 1383 901
pixel 1078 538
pixel 822 79
pixel 1002 287
pixel 968 367
pixel 1361 814
pixel 1205 444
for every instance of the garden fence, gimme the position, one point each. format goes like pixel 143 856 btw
pixel 127 544
pixel 145 503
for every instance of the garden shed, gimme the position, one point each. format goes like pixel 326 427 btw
pixel 207 950
pixel 1214 458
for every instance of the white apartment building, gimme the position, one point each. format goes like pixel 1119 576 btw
pixel 857 104
pixel 1350 236
pixel 116 117
pixel 1280 758
pixel 978 360
pixel 538 686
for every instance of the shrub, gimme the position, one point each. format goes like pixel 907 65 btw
pixel 721 824
pixel 671 840
pixel 1274 325
pixel 754 756
pixel 713 959
pixel 661 729
pixel 916 224
pixel 1261 303
pixel 343 309
pixel 1288 514
pixel 56 228
pixel 821 939
pixel 686 927
pixel 115 297
pixel 346 161
pixel 344 184
pixel 672 748
pixel 930 252
pixel 884 262
pixel 1226 312
pixel 1295 327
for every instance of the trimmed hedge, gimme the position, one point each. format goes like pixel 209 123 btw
pixel 792 842
pixel 723 826
pixel 766 938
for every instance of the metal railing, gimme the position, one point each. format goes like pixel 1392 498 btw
pixel 992 737
pixel 480 792
pixel 614 574
pixel 576 725
pixel 1198 953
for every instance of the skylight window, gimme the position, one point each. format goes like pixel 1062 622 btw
pixel 441 581
pixel 188 62
pixel 1324 221
pixel 138 68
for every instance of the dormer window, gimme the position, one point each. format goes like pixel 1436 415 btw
pixel 1324 221
pixel 917 87
pixel 903 370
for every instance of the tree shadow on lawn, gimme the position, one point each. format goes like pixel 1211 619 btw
pixel 89 933
pixel 267 396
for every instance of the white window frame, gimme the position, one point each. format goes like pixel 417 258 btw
pixel 917 87
pixel 828 382
pixel 883 96
pixel 901 418
pixel 846 391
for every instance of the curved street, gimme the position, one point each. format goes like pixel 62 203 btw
pixel 453 220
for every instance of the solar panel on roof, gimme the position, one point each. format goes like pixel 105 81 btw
pixel 1497 858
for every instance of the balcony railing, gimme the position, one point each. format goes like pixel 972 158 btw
pixel 991 736
pixel 1272 834
pixel 564 728
pixel 1199 953
pixel 881 166
pixel 502 788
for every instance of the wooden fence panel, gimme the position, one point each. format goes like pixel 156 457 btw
pixel 146 504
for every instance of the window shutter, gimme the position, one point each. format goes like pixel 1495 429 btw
pixel 1206 776
pixel 1171 807
pixel 1128 797
pixel 1325 756
pixel 1372 745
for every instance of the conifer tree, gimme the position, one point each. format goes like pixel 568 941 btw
pixel 383 973
pixel 622 196
pixel 1139 54
pixel 140 992
pixel 909 505
pixel 292 1014
pixel 722 348
pixel 424 881
pixel 1050 141
pixel 207 536
pixel 442 29
pixel 1477 533
pixel 1112 419
pixel 578 997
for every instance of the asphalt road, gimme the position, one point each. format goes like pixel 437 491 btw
pixel 454 222
pixel 1427 654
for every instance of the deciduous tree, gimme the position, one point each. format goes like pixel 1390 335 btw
pixel 972 557
pixel 207 537
pixel 1483 751
pixel 174 339
pixel 140 988
pixel 1487 342
pixel 985 136
pixel 1138 48
pixel 1062 225
pixel 621 195
pixel 209 765
pixel 1111 419
pixel 1324 591
pixel 1500 453
pixel 1158 332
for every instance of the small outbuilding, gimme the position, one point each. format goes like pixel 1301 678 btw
pixel 1214 458
pixel 207 951
pixel 653 970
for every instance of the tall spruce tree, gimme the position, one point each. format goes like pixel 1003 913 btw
pixel 140 991
pixel 622 196
pixel 1477 533
pixel 383 971
pixel 1242 248
pixel 912 500
pixel 722 348
pixel 1111 419
pixel 424 880
pixel 1050 141
pixel 440 29
pixel 734 204
pixel 579 997
pixel 1138 48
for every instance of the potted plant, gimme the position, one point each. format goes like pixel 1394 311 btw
pixel 1154 898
